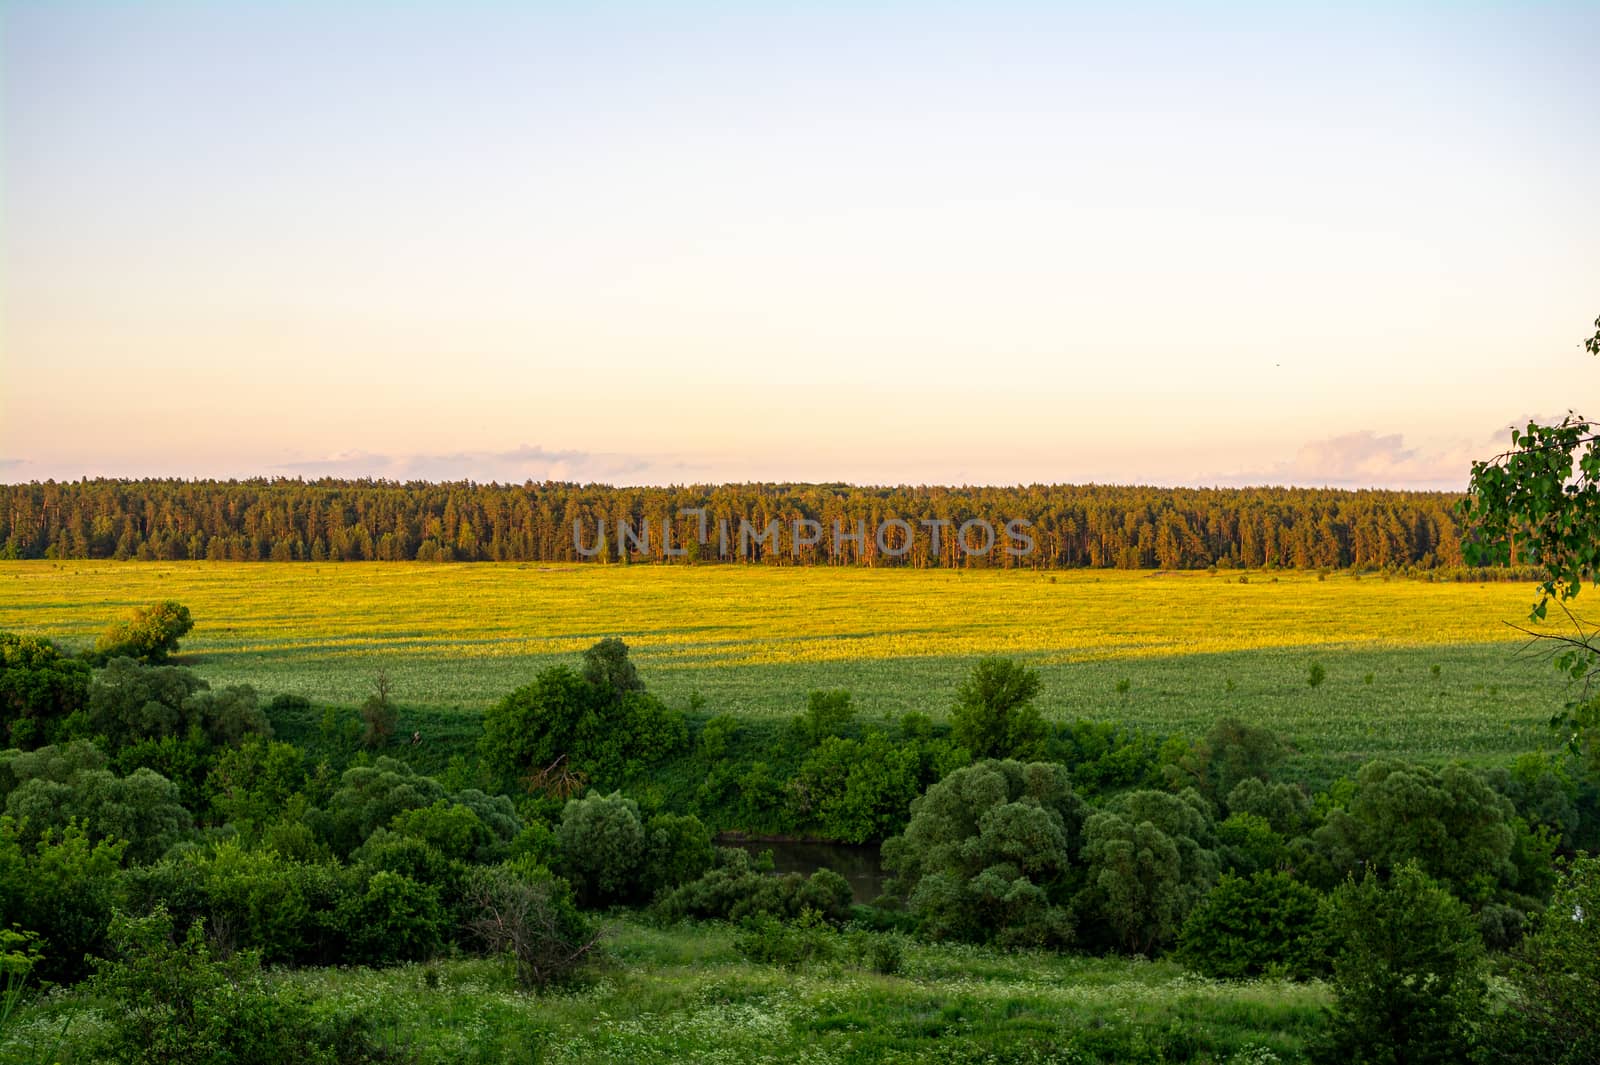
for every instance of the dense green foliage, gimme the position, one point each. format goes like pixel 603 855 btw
pixel 39 688
pixel 1405 973
pixel 1554 1015
pixel 170 828
pixel 1270 923
pixel 994 715
pixel 172 1003
pixel 150 633
pixel 1094 525
pixel 989 854
pixel 568 729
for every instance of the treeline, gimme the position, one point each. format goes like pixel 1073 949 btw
pixel 1065 525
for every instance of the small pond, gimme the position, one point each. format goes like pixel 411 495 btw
pixel 857 863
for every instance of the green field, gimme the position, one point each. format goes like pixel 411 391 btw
pixel 1430 670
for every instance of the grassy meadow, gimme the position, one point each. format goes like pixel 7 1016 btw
pixel 1428 670
pixel 684 994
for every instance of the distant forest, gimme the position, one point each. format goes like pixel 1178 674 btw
pixel 1071 526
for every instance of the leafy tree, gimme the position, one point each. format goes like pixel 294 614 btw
pixel 1406 973
pixel 141 809
pixel 565 731
pixel 251 784
pixel 40 688
pixel 1231 753
pixel 1552 791
pixel 535 728
pixel 989 854
pixel 1554 1016
pixel 678 849
pixel 1540 502
pixel 369 798
pixel 131 703
pixel 603 847
pixel 858 790
pixel 828 713
pixel 1447 821
pixel 1283 806
pixel 150 633
pixel 606 666
pixel 379 715
pixel 1150 856
pixel 453 830
pixel 1247 843
pixel 1269 923
pixel 994 715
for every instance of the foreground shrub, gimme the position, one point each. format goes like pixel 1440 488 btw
pixel 1269 923
pixel 1405 973
pixel 524 912
pixel 735 888
pixel 62 890
pixel 1554 1015
pixel 792 944
pixel 170 1003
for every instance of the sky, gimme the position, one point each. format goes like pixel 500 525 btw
pixel 883 243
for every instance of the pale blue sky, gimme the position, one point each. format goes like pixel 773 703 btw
pixel 928 243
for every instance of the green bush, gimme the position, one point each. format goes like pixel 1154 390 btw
pixel 169 1002
pixel 63 889
pixel 149 634
pixel 994 715
pixel 1406 973
pixel 394 919
pixel 603 848
pixel 736 888
pixel 1553 1016
pixel 1269 923
pixel 988 854
pixel 518 909
pixel 40 688
pixel 791 944
pixel 678 849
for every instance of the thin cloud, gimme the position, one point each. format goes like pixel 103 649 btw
pixel 525 463
pixel 1366 459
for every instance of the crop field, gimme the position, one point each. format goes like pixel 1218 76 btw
pixel 1428 670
